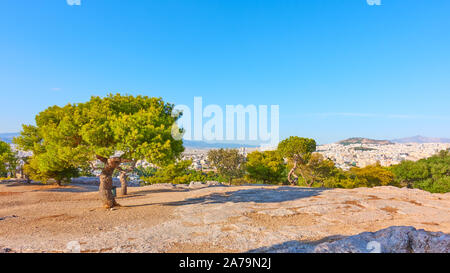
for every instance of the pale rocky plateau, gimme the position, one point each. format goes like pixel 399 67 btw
pixel 217 218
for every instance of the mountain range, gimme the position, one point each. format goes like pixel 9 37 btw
pixel 421 139
pixel 414 139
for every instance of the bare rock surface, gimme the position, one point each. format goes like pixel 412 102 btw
pixel 390 240
pixel 215 218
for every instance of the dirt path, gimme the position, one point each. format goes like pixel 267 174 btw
pixel 40 218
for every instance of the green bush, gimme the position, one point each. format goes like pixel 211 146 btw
pixel 431 174
pixel 8 160
pixel 266 167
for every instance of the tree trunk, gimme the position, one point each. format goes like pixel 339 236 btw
pixel 123 182
pixel 58 182
pixel 291 173
pixel 106 183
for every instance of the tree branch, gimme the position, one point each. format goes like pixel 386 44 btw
pixel 102 159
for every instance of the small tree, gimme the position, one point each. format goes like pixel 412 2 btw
pixel 228 162
pixel 8 160
pixel 372 176
pixel 267 166
pixel 176 173
pixel 317 170
pixel 297 150
pixel 49 160
pixel 113 130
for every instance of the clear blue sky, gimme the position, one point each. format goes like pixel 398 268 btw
pixel 336 68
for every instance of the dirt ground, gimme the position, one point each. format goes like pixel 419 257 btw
pixel 45 218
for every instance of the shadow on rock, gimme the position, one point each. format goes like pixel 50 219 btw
pixel 281 194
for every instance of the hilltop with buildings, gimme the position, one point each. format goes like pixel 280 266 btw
pixel 360 140
pixel 347 156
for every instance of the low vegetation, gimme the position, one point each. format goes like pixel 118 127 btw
pixel 8 160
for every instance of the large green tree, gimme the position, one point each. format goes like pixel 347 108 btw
pixel 298 151
pixel 228 162
pixel 114 130
pixel 267 166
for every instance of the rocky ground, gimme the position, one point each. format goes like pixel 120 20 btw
pixel 167 218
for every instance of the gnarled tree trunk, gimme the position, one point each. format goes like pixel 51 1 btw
pixel 291 174
pixel 106 183
pixel 123 182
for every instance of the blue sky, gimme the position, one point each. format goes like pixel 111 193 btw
pixel 336 68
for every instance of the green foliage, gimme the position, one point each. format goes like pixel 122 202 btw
pixel 369 176
pixel 266 167
pixel 175 173
pixel 200 176
pixel 68 138
pixel 49 160
pixel 43 168
pixel 298 151
pixel 139 127
pixel 317 170
pixel 8 160
pixel 145 172
pixel 409 172
pixel 228 162
pixel 297 148
pixel 178 173
pixel 372 176
pixel 431 174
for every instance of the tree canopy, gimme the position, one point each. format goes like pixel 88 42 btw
pixel 298 150
pixel 430 174
pixel 115 129
pixel 267 167
pixel 228 162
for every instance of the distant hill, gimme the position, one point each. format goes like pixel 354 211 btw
pixel 216 145
pixel 421 139
pixel 361 140
pixel 7 137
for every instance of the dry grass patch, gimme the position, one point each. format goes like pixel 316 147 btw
pixel 390 209
pixel 354 203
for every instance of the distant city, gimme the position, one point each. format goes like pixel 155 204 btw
pixel 352 152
